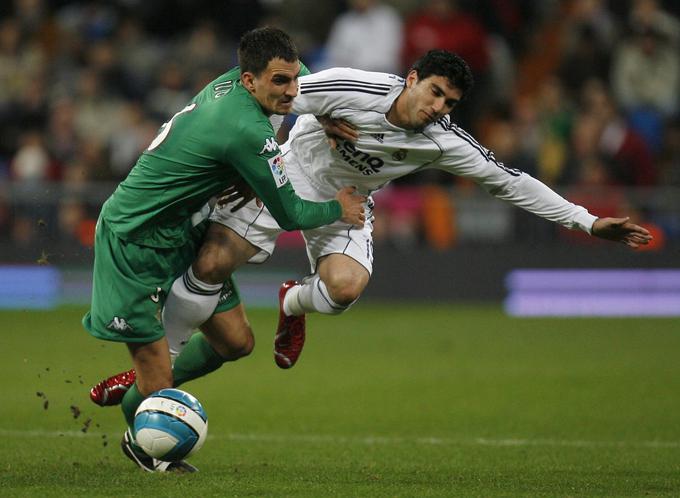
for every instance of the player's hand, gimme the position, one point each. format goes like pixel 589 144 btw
pixel 239 190
pixel 338 128
pixel 352 206
pixel 621 230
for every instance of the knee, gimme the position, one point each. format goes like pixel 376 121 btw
pixel 243 345
pixel 344 291
pixel 211 268
pixel 236 345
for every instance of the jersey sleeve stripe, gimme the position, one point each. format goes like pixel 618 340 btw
pixel 344 89
pixel 488 155
pixel 350 85
pixel 381 86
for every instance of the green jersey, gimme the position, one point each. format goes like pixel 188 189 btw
pixel 219 138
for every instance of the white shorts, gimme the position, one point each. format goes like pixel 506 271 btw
pixel 259 227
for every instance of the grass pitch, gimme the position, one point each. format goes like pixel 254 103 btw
pixel 386 401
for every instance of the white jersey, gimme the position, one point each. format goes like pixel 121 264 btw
pixel 384 152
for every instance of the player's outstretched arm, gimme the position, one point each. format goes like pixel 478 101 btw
pixel 621 230
pixel 352 206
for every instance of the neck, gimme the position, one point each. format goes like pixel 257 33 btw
pixel 397 112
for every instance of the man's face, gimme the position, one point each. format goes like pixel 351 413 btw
pixel 276 87
pixel 428 100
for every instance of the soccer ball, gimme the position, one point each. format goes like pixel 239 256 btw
pixel 170 425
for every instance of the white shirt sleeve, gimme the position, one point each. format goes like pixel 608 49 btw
pixel 320 93
pixel 464 156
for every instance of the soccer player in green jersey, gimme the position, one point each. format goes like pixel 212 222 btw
pixel 150 229
pixel 407 129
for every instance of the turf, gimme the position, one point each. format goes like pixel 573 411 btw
pixel 386 401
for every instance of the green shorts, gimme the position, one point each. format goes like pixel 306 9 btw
pixel 130 283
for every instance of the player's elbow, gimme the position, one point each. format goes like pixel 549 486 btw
pixel 288 225
pixel 288 220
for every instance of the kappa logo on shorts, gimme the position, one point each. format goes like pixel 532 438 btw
pixel 119 324
pixel 270 145
pixel 278 172
pixel 226 293
pixel 156 296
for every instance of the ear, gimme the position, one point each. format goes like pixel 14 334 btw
pixel 411 78
pixel 248 81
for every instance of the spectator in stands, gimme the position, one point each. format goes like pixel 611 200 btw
pixel 646 72
pixel 669 158
pixel 368 36
pixel 62 137
pixel 555 119
pixel 170 93
pixel 128 142
pixel 651 13
pixel 585 58
pixel 32 162
pixel 629 158
pixel 92 103
pixel 444 24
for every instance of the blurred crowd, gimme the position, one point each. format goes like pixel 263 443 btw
pixel 582 94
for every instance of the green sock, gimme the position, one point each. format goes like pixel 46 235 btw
pixel 197 359
pixel 132 399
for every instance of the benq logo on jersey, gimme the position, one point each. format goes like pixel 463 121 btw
pixel 119 325
pixel 359 160
pixel 270 145
pixel 278 172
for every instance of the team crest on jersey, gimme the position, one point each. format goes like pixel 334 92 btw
pixel 270 145
pixel 399 155
pixel 278 171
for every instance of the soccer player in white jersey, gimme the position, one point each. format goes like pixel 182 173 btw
pixel 402 126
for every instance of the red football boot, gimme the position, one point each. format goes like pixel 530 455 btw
pixel 110 392
pixel 290 334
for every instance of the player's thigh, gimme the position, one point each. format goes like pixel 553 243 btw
pixel 222 252
pixel 229 333
pixel 341 239
pixel 130 283
pixel 252 223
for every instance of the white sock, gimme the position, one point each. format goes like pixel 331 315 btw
pixel 311 296
pixel 190 303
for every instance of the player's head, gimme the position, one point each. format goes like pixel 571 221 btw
pixel 434 85
pixel 269 68
pixel 448 65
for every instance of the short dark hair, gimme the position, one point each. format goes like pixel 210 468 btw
pixel 444 63
pixel 261 45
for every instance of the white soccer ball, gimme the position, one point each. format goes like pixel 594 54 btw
pixel 170 425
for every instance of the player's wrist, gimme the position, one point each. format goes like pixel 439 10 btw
pixel 336 208
pixel 585 221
